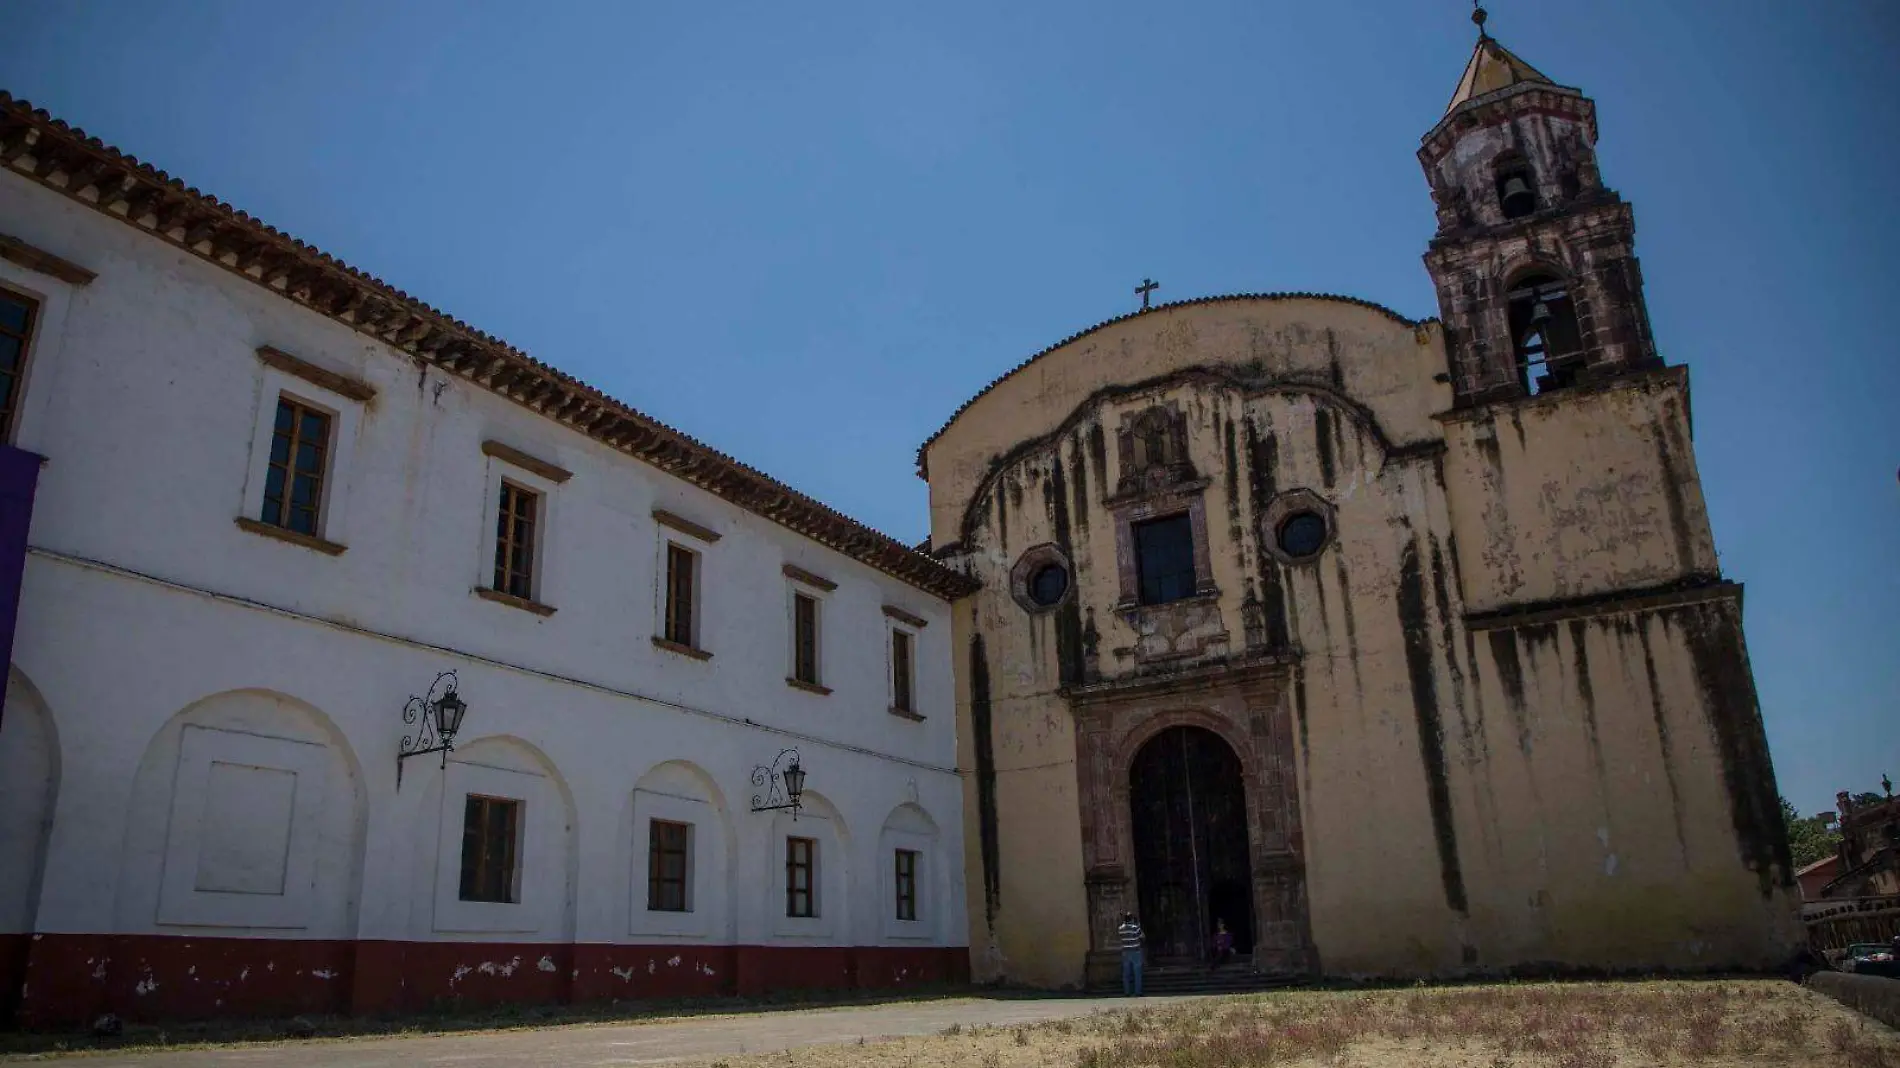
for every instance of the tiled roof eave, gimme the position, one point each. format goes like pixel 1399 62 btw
pixel 62 158
pixel 922 450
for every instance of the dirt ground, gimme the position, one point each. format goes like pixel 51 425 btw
pixel 1638 1024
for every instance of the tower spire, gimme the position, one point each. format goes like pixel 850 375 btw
pixel 1492 66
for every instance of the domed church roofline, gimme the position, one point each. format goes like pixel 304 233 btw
pixel 922 467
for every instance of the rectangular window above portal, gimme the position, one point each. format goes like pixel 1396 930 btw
pixel 1164 559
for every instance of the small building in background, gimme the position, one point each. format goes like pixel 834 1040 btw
pixel 1870 846
pixel 1813 878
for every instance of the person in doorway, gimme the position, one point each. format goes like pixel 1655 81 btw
pixel 1223 944
pixel 1130 934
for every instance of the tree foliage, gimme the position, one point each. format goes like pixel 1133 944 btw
pixel 1808 838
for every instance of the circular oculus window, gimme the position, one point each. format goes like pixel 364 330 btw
pixel 1048 584
pixel 1302 534
pixel 1042 579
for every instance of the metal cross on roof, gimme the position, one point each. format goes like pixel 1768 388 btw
pixel 1147 286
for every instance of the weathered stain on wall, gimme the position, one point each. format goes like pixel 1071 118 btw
pixel 1563 499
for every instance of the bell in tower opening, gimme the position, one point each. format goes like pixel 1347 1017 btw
pixel 1523 211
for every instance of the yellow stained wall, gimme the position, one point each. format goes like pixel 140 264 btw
pixel 1582 790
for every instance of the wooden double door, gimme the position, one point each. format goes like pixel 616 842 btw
pixel 1188 814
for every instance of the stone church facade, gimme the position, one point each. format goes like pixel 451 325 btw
pixel 1399 647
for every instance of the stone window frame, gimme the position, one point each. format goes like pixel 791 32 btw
pixel 51 292
pixel 518 514
pixel 16 396
pixel 804 584
pixel 706 864
pixel 801 903
pixel 504 868
pixel 502 470
pixel 1283 507
pixel 904 879
pixel 1186 497
pixel 344 406
pixel 538 870
pixel 893 630
pixel 657 851
pixel 696 542
pixel 1033 560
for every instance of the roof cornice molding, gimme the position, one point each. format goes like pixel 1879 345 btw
pixel 63 158
pixel 1504 104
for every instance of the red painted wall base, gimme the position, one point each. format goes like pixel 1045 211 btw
pixel 58 980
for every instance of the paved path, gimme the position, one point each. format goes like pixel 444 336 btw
pixel 601 1045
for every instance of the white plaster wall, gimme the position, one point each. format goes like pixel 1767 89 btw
pixel 144 391
pixel 29 780
pixel 165 866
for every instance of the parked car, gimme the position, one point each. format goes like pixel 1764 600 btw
pixel 1870 958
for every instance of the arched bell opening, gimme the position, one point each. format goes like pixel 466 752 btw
pixel 1544 338
pixel 1516 186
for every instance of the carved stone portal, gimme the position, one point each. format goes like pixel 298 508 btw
pixel 1202 874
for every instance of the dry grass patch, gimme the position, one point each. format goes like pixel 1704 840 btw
pixel 1712 1024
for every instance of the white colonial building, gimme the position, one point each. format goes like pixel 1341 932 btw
pixel 271 499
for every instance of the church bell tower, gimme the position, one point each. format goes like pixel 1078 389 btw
pixel 1534 258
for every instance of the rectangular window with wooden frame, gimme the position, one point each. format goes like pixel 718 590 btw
pixel 902 675
pixel 805 639
pixel 801 869
pixel 1164 559
pixel 491 838
pixel 515 530
pixel 907 884
pixel 16 331
pixel 299 456
pixel 669 846
pixel 682 565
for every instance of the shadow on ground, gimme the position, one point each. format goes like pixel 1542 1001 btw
pixel 446 1019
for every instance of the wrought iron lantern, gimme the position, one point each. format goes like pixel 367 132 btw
pixel 783 783
pixel 436 716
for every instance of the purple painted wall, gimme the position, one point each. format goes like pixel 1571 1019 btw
pixel 19 474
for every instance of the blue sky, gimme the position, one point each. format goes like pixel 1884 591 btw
pixel 805 233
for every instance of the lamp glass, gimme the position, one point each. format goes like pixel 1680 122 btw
pixel 448 714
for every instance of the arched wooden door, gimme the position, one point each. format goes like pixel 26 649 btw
pixel 1188 808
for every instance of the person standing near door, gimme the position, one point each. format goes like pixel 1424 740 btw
pixel 1130 933
pixel 1223 944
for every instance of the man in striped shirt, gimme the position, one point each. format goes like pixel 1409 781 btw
pixel 1130 933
